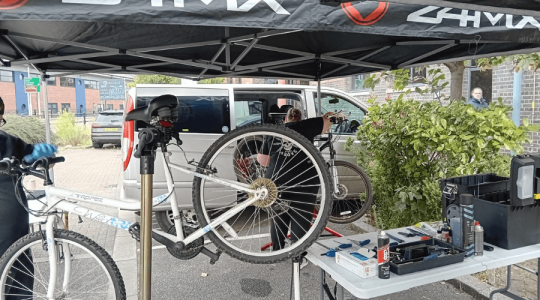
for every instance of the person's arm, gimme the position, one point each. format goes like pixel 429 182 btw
pixel 263 159
pixel 22 149
pixel 326 122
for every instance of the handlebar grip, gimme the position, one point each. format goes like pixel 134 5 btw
pixel 58 159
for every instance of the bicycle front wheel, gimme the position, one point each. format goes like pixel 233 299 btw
pixel 296 177
pixel 355 193
pixel 84 269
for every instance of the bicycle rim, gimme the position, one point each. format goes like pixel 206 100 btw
pixel 355 194
pixel 244 235
pixel 88 278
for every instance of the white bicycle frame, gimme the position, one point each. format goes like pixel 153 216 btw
pixel 62 200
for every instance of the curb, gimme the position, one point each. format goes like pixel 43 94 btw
pixel 362 224
pixel 474 287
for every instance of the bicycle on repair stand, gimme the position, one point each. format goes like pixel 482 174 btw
pixel 236 216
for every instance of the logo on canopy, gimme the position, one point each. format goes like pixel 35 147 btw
pixel 10 4
pixel 373 17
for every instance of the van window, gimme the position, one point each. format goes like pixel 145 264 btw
pixel 248 112
pixel 198 114
pixel 256 107
pixel 328 103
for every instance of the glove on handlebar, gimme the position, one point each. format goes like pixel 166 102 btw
pixel 40 150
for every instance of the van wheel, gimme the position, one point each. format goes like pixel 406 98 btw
pixel 97 145
pixel 164 219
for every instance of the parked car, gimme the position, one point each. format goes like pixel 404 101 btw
pixel 208 111
pixel 107 128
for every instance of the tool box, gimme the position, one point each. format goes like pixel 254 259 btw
pixel 412 265
pixel 505 207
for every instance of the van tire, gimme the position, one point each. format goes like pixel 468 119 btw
pixel 97 145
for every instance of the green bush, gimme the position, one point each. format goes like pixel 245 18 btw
pixel 69 132
pixel 29 129
pixel 408 146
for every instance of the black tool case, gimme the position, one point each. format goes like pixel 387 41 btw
pixel 401 269
pixel 475 185
pixel 507 226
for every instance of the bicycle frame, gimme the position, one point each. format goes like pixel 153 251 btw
pixel 61 200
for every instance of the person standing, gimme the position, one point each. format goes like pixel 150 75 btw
pixel 293 169
pixel 477 100
pixel 13 216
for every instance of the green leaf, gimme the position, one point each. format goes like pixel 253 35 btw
pixel 525 121
pixel 443 123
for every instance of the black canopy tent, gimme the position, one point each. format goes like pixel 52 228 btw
pixel 517 7
pixel 259 38
pixel 254 38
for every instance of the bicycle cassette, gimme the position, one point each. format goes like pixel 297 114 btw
pixel 191 250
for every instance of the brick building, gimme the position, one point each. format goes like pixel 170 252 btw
pixel 495 83
pixel 78 94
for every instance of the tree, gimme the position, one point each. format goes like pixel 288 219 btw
pixel 529 61
pixel 153 79
pixel 217 80
pixel 457 69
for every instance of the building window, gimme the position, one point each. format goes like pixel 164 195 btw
pixel 417 75
pixel 6 76
pixel 121 106
pixel 51 81
pixel 271 81
pixel 110 107
pixel 65 107
pixel 91 84
pixel 358 82
pixel 53 108
pixel 67 82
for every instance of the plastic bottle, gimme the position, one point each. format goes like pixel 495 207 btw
pixel 383 255
pixel 446 233
pixel 478 239
pixel 467 223
pixel 439 235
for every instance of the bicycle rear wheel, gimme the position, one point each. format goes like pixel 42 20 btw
pixel 355 193
pixel 297 179
pixel 84 269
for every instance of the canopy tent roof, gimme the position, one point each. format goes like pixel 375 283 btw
pixel 258 38
pixel 516 7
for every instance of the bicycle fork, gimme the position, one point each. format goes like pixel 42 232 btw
pixel 56 252
pixel 335 179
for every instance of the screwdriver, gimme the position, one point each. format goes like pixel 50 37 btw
pixel 343 245
pixel 395 238
pixel 361 243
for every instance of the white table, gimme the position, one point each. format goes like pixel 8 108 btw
pixel 374 287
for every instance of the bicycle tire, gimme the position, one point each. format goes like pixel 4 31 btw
pixel 340 206
pixel 164 219
pixel 325 195
pixel 66 237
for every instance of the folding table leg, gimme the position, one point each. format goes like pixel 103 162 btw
pixel 341 292
pixel 321 282
pixel 504 290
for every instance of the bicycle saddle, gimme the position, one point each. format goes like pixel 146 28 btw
pixel 154 108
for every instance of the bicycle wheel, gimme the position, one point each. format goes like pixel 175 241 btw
pixel 297 179
pixel 90 272
pixel 355 193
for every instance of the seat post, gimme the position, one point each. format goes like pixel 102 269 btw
pixel 145 274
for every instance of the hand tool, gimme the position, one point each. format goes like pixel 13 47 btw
pixel 361 243
pixel 488 247
pixel 359 256
pixel 406 234
pixel 343 245
pixel 395 238
pixel 415 232
pixel 331 251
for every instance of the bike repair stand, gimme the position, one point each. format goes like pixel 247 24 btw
pixel 147 157
pixel 296 261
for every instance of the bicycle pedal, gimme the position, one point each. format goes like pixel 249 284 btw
pixel 135 231
pixel 213 256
